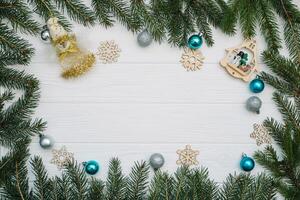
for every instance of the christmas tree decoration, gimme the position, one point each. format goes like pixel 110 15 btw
pixel 45 141
pixel 174 26
pixel 108 52
pixel 195 41
pixel 261 134
pixel 144 38
pixel 73 60
pixel 247 163
pixel 187 156
pixel 45 35
pixel 91 167
pixel 192 60
pixel 254 104
pixel 257 85
pixel 156 161
pixel 61 157
pixel 241 61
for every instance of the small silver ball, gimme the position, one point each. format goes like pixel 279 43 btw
pixel 156 161
pixel 144 38
pixel 46 142
pixel 45 36
pixel 254 104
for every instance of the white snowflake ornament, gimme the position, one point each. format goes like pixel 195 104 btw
pixel 187 156
pixel 192 60
pixel 61 157
pixel 108 52
pixel 261 134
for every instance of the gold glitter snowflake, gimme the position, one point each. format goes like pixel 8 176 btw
pixel 192 60
pixel 108 52
pixel 61 157
pixel 187 156
pixel 261 134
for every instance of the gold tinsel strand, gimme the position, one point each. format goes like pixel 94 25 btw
pixel 85 65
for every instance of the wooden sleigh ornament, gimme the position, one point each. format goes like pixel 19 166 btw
pixel 241 61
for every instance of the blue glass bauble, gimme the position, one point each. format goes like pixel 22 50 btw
pixel 195 42
pixel 247 163
pixel 257 85
pixel 91 167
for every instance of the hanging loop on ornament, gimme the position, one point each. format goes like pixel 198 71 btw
pixel 45 27
pixel 200 34
pixel 244 155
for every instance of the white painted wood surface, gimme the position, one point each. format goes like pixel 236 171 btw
pixel 147 103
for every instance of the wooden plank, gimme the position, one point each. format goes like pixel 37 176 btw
pixel 144 83
pixel 151 123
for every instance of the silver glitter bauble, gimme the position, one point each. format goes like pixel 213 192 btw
pixel 254 104
pixel 156 161
pixel 45 36
pixel 46 141
pixel 144 38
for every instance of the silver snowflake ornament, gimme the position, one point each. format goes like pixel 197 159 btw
pixel 261 134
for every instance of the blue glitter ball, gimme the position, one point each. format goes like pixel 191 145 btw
pixel 247 163
pixel 91 167
pixel 195 42
pixel 257 85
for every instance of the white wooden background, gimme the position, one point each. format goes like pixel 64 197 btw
pixel 147 103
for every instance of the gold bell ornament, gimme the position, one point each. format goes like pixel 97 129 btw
pixel 74 61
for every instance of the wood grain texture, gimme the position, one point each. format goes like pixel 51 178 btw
pixel 147 103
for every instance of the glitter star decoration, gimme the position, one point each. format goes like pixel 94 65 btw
pixel 261 134
pixel 187 156
pixel 192 60
pixel 61 157
pixel 108 52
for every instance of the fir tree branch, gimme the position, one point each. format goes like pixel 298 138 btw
pixel 247 18
pixel 246 186
pixel 268 24
pixel 148 19
pixel 202 21
pixel 292 39
pixel 201 186
pixel 289 74
pixel 121 11
pixel 78 181
pixel 288 11
pixel 13 173
pixel 137 182
pixel 289 112
pixel 46 9
pixel 77 11
pixel 96 190
pixel 102 13
pixel 42 183
pixel 9 41
pixel 229 18
pixel 181 183
pixel 116 182
pixel 161 186
pixel 20 17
